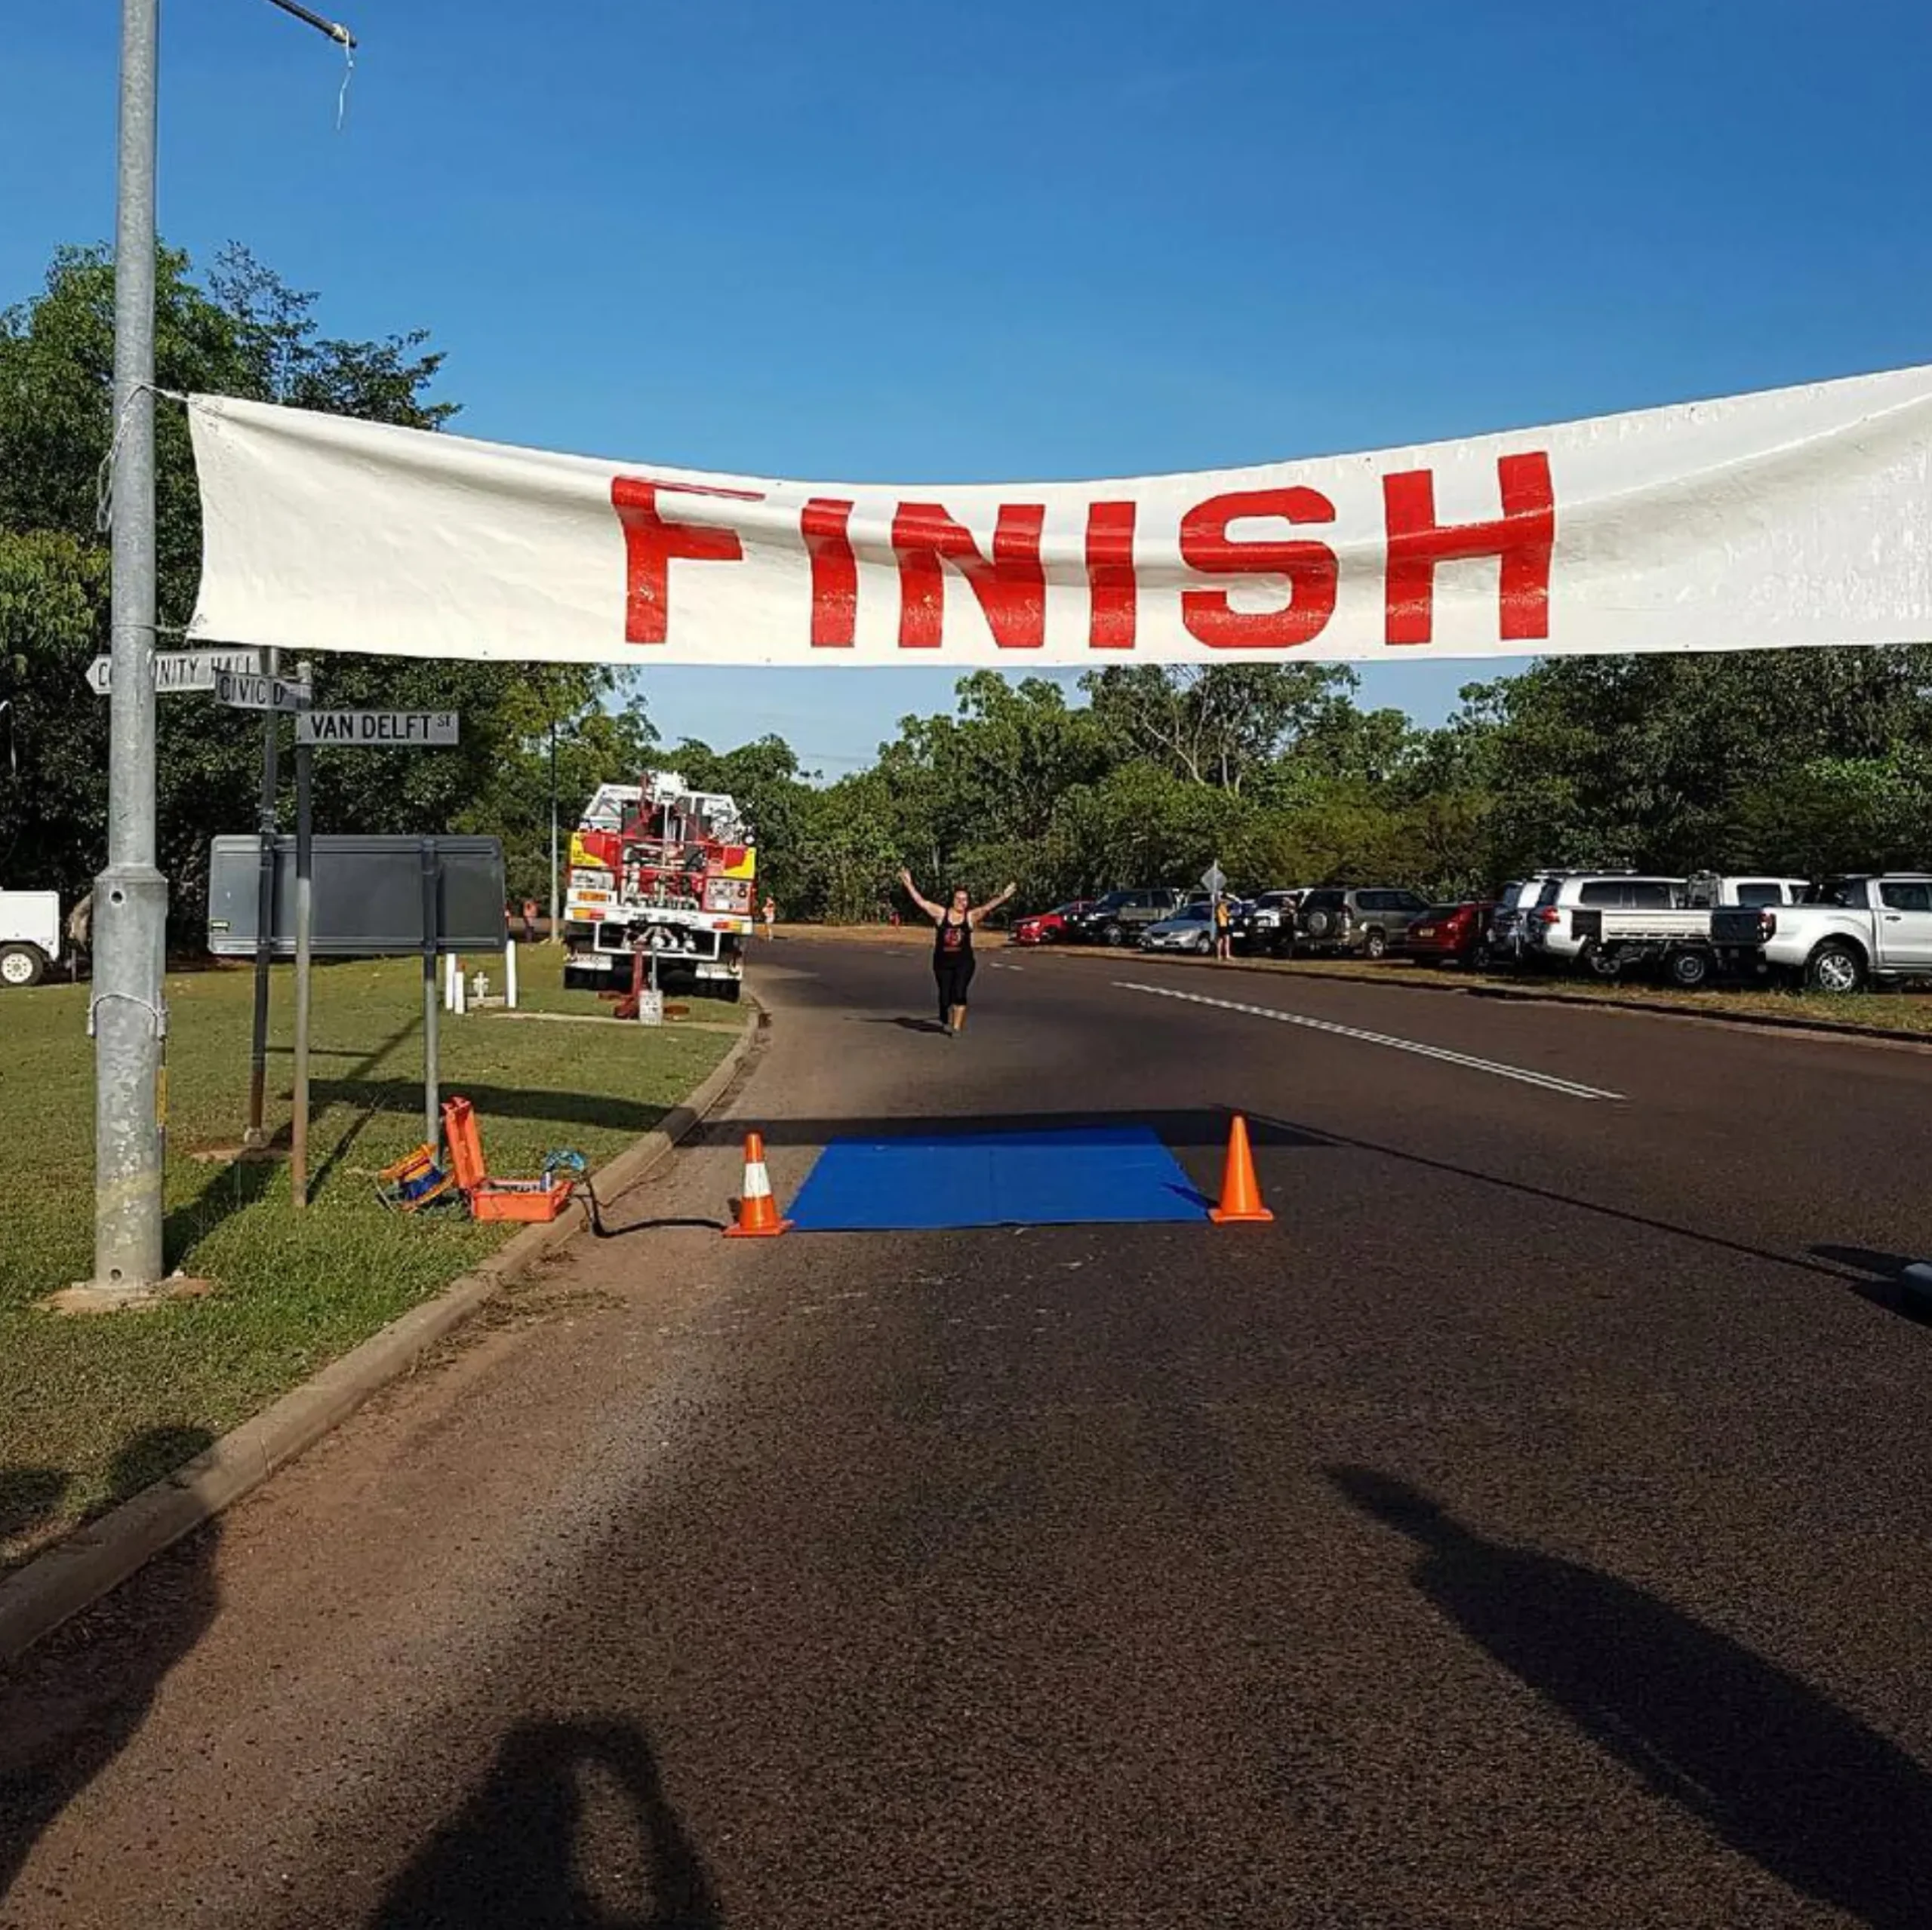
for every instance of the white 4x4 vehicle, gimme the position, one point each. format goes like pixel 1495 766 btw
pixel 29 936
pixel 1849 930
pixel 1550 931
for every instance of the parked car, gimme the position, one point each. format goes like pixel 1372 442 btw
pixel 1450 934
pixel 1849 931
pixel 1120 916
pixel 1550 933
pixel 1049 927
pixel 1683 942
pixel 1269 924
pixel 1367 921
pixel 29 936
pixel 1189 930
pixel 1508 943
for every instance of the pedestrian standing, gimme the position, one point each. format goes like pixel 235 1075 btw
pixel 771 909
pixel 953 926
pixel 530 921
pixel 1224 930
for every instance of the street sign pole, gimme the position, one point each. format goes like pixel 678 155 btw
pixel 304 930
pixel 127 1013
pixel 433 1125
pixel 255 1134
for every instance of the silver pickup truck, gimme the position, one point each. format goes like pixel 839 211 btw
pixel 1849 931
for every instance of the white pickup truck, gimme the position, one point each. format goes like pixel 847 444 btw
pixel 1848 932
pixel 29 936
pixel 1692 941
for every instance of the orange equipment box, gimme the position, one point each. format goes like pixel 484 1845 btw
pixel 537 1200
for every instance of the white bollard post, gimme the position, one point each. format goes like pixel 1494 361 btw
pixel 462 994
pixel 451 969
pixel 510 975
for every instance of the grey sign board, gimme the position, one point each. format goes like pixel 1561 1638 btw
pixel 369 897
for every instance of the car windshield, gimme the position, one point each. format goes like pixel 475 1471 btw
pixel 1441 912
pixel 1322 901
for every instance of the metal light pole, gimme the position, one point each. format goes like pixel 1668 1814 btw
pixel 128 1018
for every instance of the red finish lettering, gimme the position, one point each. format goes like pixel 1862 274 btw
pixel 1011 589
pixel 1110 575
pixel 1523 538
pixel 825 525
pixel 1310 568
pixel 650 545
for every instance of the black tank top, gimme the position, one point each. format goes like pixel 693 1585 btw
pixel 952 942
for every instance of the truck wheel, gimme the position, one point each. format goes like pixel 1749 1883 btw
pixel 1376 944
pixel 1687 970
pixel 1603 964
pixel 731 990
pixel 1114 932
pixel 1835 967
pixel 22 965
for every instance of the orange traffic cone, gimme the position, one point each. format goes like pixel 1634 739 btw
pixel 757 1211
pixel 1240 1196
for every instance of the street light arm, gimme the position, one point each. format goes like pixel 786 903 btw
pixel 335 30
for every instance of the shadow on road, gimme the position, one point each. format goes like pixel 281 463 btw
pixel 1883 1284
pixel 1782 1775
pixel 1260 1126
pixel 515 1858
pixel 70 1705
pixel 1180 1129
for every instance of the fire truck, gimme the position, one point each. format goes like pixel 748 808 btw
pixel 659 869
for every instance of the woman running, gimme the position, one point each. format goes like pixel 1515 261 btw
pixel 953 923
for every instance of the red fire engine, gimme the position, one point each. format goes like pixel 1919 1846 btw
pixel 659 869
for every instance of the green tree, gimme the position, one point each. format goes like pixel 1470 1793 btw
pixel 242 332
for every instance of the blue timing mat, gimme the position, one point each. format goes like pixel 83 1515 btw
pixel 1084 1174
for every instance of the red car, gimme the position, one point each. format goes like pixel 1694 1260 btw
pixel 1048 927
pixel 1449 934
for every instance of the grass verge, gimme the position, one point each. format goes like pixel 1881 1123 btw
pixel 92 1409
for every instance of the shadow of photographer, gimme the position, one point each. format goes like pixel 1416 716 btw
pixel 515 1858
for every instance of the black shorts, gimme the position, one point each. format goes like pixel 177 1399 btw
pixel 954 975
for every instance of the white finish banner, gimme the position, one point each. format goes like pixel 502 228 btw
pixel 1798 516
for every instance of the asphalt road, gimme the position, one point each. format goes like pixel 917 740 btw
pixel 1528 1529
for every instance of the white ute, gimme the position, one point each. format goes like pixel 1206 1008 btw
pixel 1849 931
pixel 29 936
pixel 1682 939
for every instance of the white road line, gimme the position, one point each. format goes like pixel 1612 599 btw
pixel 1550 1083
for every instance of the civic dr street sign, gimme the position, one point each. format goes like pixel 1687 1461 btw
pixel 175 671
pixel 378 729
pixel 249 690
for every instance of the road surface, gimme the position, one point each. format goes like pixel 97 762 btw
pixel 1527 1529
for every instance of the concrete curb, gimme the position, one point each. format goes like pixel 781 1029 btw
pixel 97 1558
pixel 1394 979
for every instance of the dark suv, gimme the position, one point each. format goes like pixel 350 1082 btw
pixel 1120 917
pixel 1368 920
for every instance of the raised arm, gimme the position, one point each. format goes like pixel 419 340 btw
pixel 979 912
pixel 925 904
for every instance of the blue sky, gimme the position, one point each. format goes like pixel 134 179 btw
pixel 1103 237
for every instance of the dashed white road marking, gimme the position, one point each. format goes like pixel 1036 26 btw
pixel 1547 1081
